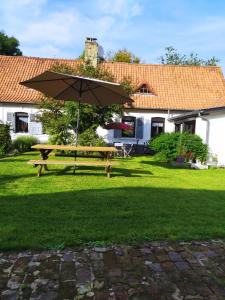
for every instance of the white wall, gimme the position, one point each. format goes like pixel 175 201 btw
pixel 216 134
pixel 147 116
pixel 27 108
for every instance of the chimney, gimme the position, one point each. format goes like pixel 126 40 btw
pixel 93 52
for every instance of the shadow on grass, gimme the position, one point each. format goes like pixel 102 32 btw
pixel 24 157
pixel 164 164
pixel 91 171
pixel 6 179
pixel 110 215
pixel 68 171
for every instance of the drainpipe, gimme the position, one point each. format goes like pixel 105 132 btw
pixel 168 113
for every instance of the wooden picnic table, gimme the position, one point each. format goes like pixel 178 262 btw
pixel 45 150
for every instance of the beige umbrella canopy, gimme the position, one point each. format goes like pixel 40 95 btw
pixel 76 88
pixel 86 90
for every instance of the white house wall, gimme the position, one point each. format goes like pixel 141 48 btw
pixel 26 108
pixel 217 136
pixel 108 135
pixel 212 133
pixel 201 129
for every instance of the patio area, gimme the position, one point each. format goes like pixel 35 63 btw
pixel 154 270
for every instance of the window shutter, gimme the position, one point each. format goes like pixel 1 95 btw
pixel 139 128
pixel 10 119
pixel 117 133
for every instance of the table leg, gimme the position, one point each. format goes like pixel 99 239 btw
pixel 44 156
pixel 39 170
pixel 108 170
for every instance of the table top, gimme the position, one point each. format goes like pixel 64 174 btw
pixel 74 148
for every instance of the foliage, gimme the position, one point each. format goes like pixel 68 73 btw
pixel 59 119
pixel 90 138
pixel 172 57
pixel 82 56
pixel 9 45
pixel 171 145
pixel 24 143
pixel 5 138
pixel 123 55
pixel 55 122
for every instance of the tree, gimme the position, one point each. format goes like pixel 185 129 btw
pixel 123 55
pixel 59 119
pixel 9 45
pixel 173 57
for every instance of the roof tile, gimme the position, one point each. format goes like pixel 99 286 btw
pixel 175 87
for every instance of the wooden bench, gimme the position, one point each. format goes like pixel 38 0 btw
pixel 41 163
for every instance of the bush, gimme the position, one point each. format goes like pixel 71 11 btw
pixel 5 138
pixel 24 143
pixel 90 138
pixel 169 146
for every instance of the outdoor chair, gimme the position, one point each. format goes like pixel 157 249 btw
pixel 128 150
pixel 120 149
pixel 124 150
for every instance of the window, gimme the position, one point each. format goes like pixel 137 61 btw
pixel 189 126
pixel 157 126
pixel 130 121
pixel 177 127
pixel 21 122
pixel 143 89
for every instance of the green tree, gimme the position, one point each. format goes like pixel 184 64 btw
pixel 173 57
pixel 59 118
pixel 123 55
pixel 9 45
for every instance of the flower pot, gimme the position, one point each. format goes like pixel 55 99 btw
pixel 180 159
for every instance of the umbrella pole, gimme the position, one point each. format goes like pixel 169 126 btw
pixel 78 122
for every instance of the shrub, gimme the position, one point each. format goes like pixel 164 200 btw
pixel 90 138
pixel 24 143
pixel 169 146
pixel 5 138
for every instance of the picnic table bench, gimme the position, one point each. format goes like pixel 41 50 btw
pixel 45 150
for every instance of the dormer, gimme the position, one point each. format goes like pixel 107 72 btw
pixel 144 89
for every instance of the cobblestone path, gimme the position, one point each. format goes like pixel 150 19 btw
pixel 148 271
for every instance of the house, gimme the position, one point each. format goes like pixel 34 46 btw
pixel 209 124
pixel 166 98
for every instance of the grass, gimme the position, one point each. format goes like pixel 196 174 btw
pixel 144 200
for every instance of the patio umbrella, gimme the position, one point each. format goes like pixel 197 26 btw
pixel 77 88
pixel 119 126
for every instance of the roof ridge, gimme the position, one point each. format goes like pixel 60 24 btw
pixel 111 62
pixel 159 65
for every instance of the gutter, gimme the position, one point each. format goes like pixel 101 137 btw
pixel 187 115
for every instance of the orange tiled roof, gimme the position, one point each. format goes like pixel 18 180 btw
pixel 14 69
pixel 175 87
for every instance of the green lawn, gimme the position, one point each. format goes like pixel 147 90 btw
pixel 144 200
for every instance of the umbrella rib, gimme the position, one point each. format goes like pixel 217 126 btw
pixel 69 86
pixel 91 90
pixel 118 94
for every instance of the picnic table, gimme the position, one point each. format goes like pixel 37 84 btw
pixel 104 152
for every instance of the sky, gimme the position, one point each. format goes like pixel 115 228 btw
pixel 58 28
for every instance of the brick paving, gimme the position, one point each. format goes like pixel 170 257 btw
pixel 188 271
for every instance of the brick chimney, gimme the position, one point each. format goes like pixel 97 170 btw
pixel 93 52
